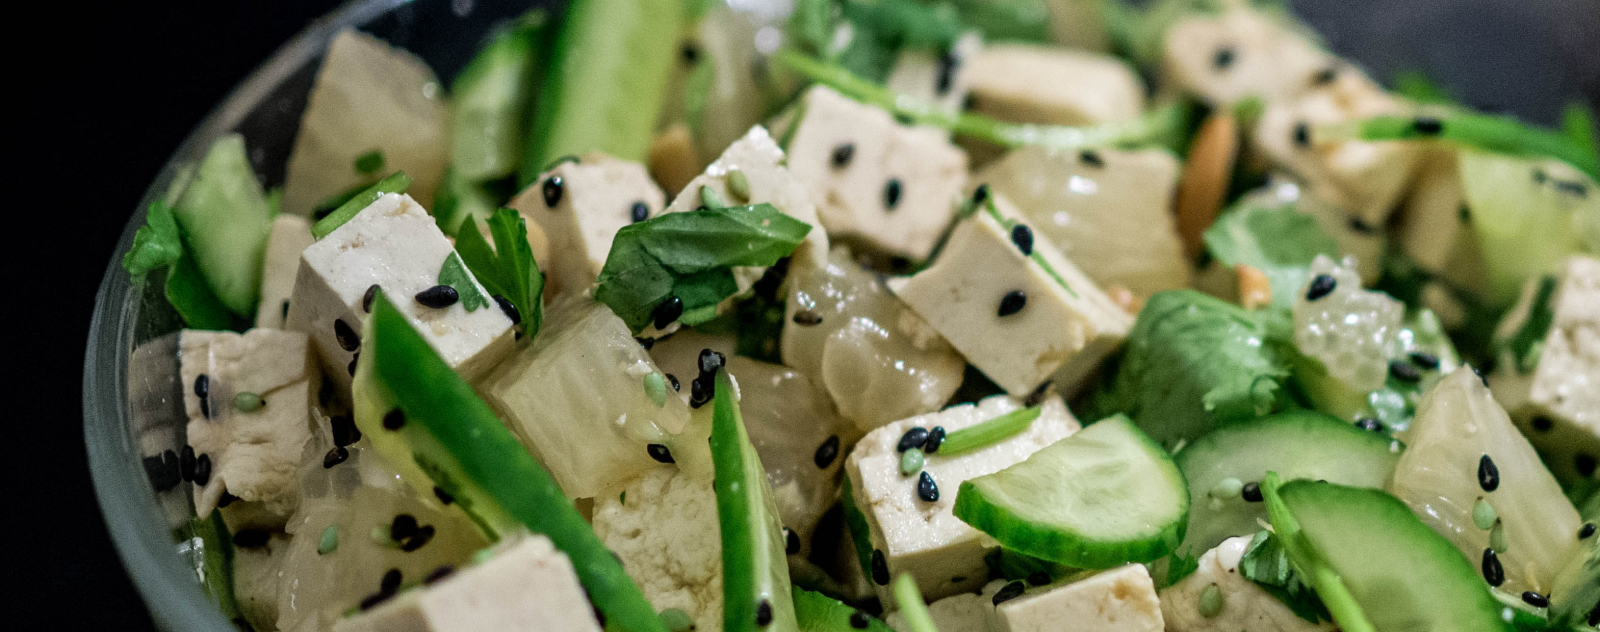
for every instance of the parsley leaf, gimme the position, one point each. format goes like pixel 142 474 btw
pixel 454 274
pixel 1179 566
pixel 1266 564
pixel 1527 344
pixel 369 163
pixel 395 183
pixel 156 244
pixel 1279 240
pixel 508 270
pixel 691 256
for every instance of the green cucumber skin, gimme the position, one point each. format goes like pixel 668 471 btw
pixel 471 454
pixel 225 220
pixel 1297 444
pixel 606 83
pixel 856 524
pixel 1048 542
pixel 492 97
pixel 754 565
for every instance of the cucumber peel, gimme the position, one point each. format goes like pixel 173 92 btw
pixel 856 524
pixel 427 422
pixel 755 568
pixel 492 96
pixel 224 218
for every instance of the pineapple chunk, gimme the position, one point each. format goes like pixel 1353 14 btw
pixel 579 206
pixel 1348 329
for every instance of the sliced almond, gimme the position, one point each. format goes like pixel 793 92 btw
pixel 1254 289
pixel 1206 174
pixel 673 160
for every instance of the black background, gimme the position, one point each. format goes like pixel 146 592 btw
pixel 107 93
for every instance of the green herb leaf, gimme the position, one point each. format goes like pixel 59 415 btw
pixel 1336 598
pixel 1279 240
pixel 395 183
pixel 691 256
pixel 1179 566
pixel 1418 86
pixel 508 270
pixel 156 244
pixel 1495 134
pixel 191 296
pixel 1006 20
pixel 907 23
pixel 454 274
pixel 811 26
pixel 369 163
pixel 1527 343
pixel 1266 564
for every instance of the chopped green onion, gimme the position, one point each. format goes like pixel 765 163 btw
pixel 911 605
pixel 989 432
pixel 1497 134
pixel 395 183
pixel 329 541
pixel 369 163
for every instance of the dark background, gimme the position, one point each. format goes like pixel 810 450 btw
pixel 108 92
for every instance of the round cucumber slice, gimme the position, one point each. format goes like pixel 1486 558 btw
pixel 1298 444
pixel 1105 496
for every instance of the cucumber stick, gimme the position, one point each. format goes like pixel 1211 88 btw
pixel 606 82
pixel 817 612
pixel 756 594
pixel 1298 444
pixel 1105 496
pixel 492 97
pixel 225 218
pixel 445 441
pixel 1374 564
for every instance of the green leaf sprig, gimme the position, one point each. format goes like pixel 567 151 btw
pixel 507 270
pixel 1266 564
pixel 1277 239
pixel 454 274
pixel 156 244
pixel 395 183
pixel 1496 134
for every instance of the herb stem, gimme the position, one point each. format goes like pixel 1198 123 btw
pixel 989 432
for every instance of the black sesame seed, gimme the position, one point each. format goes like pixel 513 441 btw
pixel 202 390
pixel 1022 236
pixel 806 318
pixel 927 490
pixel 1464 214
pixel 1425 360
pixel 935 439
pixel 880 568
pixel 1360 227
pixel 354 359
pixel 1585 464
pixel 843 154
pixel 1492 571
pixel 667 312
pixel 1585 531
pixel 948 63
pixel 1091 158
pixel 1009 591
pixel 186 463
pixel 1539 175
pixel 251 538
pixel 438 297
pixel 660 453
pixel 913 438
pixel 1302 135
pixel 791 541
pixel 1325 76
pixel 673 380
pixel 162 470
pixel 1039 393
pixel 763 613
pixel 1404 371
pixel 202 470
pixel 423 536
pixel 394 419
pixel 1223 58
pixel 552 189
pixel 1542 423
pixel 1251 492
pixel 860 620
pixel 647 343
pixel 827 452
pixel 1321 285
pixel 347 338
pixel 1427 126
pixel 391 581
pixel 699 393
pixel 225 499
pixel 1012 303
pixel 1535 599
pixel 980 194
pixel 1369 424
pixel 373 600
pixel 639 211
pixel 690 53
pixel 444 496
pixel 891 194
pixel 1594 614
pixel 1039 578
pixel 337 455
pixel 366 299
pixel 510 310
pixel 403 526
pixel 1488 474
pixel 1574 189
pixel 710 361
pixel 437 574
pixel 345 431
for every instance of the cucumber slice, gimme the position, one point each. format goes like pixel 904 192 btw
pixel 1374 564
pixel 856 524
pixel 427 422
pixel 225 220
pixel 492 95
pixel 817 612
pixel 1298 444
pixel 606 83
pixel 1575 597
pixel 1529 216
pixel 209 546
pixel 1105 496
pixel 756 594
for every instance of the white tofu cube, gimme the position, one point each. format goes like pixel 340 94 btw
pixel 1121 599
pixel 890 186
pixel 940 79
pixel 253 454
pixel 1556 402
pixel 1241 53
pixel 1028 83
pixel 393 244
pixel 966 612
pixel 1108 210
pixel 256 579
pixel 1245 606
pixel 528 586
pixel 290 236
pixel 1436 225
pixel 1018 316
pixel 663 526
pixel 925 539
pixel 579 206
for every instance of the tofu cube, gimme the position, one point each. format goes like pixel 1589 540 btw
pixel 1028 83
pixel 1019 317
pixel 256 579
pixel 966 612
pixel 941 552
pixel 1121 599
pixel 252 453
pixel 940 79
pixel 1239 54
pixel 395 245
pixel 290 236
pixel 579 205
pixel 1245 606
pixel 663 526
pixel 892 187
pixel 1556 400
pixel 528 586
pixel 1436 225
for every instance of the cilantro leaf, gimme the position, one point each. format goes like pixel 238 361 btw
pixel 1279 240
pixel 395 183
pixel 508 270
pixel 1266 564
pixel 454 274
pixel 156 244
pixel 691 256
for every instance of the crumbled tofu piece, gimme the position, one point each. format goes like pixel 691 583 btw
pixel 369 96
pixel 966 612
pixel 290 236
pixel 1028 83
pixel 1245 606
pixel 1108 210
pixel 1365 178
pixel 256 576
pixel 663 526
pixel 528 586
pixel 1241 53
pixel 580 205
pixel 395 245
pixel 1436 225
pixel 925 539
pixel 1556 402
pixel 1018 317
pixel 1121 599
pixel 893 187
pixel 940 79
pixel 252 455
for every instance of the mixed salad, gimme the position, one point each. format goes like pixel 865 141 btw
pixel 960 315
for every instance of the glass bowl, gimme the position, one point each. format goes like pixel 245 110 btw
pixel 132 402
